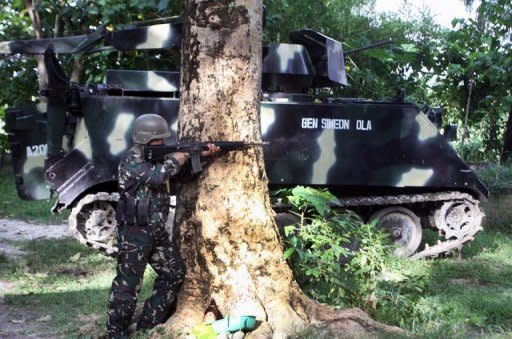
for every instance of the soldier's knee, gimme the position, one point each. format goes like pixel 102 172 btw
pixel 176 275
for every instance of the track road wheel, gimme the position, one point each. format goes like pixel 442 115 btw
pixel 403 226
pixel 458 220
pixel 93 222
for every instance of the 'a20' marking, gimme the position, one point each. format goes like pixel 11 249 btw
pixel 36 150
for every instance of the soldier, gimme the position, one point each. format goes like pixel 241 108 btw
pixel 142 211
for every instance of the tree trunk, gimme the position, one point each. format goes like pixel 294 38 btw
pixel 507 138
pixel 465 132
pixel 31 6
pixel 228 238
pixel 491 140
pixel 77 65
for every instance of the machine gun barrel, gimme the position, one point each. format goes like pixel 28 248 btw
pixel 157 152
pixel 370 46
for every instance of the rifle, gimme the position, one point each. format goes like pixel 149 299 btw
pixel 156 153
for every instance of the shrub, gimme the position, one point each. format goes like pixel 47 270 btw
pixel 497 177
pixel 335 257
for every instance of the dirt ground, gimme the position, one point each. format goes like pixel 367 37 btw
pixel 18 322
pixel 21 230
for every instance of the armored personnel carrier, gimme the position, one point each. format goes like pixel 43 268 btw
pixel 385 160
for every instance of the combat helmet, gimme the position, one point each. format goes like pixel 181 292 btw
pixel 148 127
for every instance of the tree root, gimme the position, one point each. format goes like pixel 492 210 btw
pixel 347 323
pixel 300 317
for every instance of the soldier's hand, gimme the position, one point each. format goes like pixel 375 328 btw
pixel 181 157
pixel 212 149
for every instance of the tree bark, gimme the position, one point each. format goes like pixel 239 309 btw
pixel 77 65
pixel 507 138
pixel 465 132
pixel 31 6
pixel 224 219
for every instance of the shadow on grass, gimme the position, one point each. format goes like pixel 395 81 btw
pixel 479 284
pixel 68 311
pixel 65 281
pixel 476 293
pixel 454 297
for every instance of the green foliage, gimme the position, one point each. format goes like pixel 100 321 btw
pixel 72 17
pixel 442 298
pixel 497 177
pixel 477 54
pixel 473 148
pixel 49 283
pixel 326 237
pixel 438 298
pixel 450 298
pixel 375 73
pixel 368 261
pixel 308 199
pixel 397 296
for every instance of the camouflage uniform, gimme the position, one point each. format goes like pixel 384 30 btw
pixel 143 243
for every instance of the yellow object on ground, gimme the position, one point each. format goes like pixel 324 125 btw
pixel 204 331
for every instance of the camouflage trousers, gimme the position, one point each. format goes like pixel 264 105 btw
pixel 139 245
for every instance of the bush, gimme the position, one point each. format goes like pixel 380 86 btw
pixel 335 257
pixel 398 297
pixel 476 148
pixel 497 177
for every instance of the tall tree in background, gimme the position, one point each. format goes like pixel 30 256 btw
pixel 477 54
pixel 229 240
pixel 496 19
pixel 375 73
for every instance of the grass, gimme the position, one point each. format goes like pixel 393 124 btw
pixel 470 296
pixel 456 297
pixel 11 206
pixel 66 281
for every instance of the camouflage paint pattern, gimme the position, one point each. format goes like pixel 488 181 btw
pixel 166 35
pixel 141 244
pixel 360 147
pixel 144 81
pixel 326 56
pixel 351 146
pixel 26 127
pixel 102 137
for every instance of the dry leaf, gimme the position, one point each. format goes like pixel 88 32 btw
pixel 88 329
pixel 75 257
pixel 45 318
pixel 18 321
